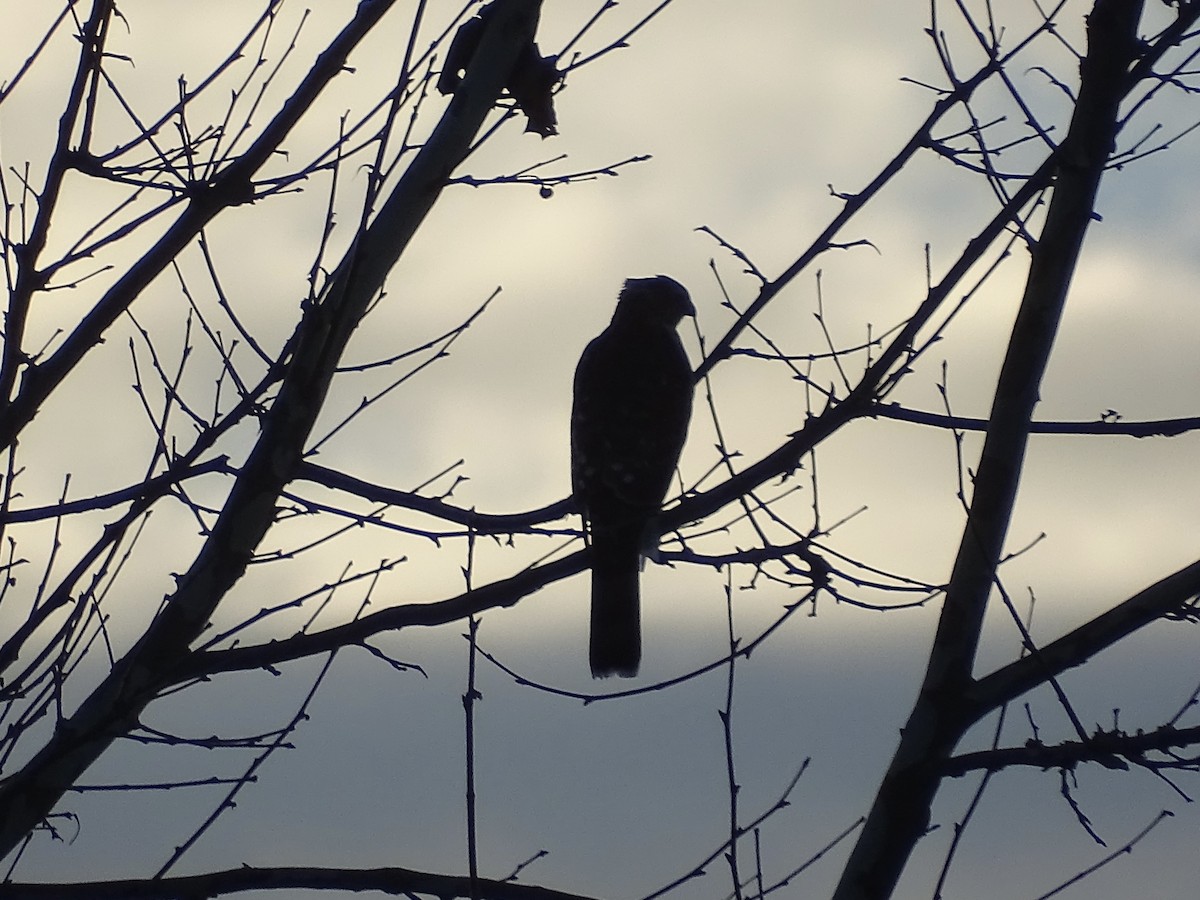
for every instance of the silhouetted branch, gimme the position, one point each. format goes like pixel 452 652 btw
pixel 249 511
pixel 230 187
pixel 1173 594
pixel 1111 749
pixel 392 881
pixel 1109 424
pixel 900 814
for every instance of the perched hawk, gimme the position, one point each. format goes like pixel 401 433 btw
pixel 633 400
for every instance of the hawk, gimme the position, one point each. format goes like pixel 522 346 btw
pixel 632 403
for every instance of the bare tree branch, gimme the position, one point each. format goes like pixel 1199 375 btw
pixel 114 706
pixel 390 881
pixel 900 814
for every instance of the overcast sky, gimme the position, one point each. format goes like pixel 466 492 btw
pixel 750 114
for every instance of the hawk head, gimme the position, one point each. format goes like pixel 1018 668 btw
pixel 659 300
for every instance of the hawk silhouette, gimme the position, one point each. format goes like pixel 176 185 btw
pixel 629 419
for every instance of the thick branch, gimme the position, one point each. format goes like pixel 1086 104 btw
pixel 900 814
pixel 1075 648
pixel 114 707
pixel 392 880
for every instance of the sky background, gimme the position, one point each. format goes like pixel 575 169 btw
pixel 752 118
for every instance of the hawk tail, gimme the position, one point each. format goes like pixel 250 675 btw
pixel 616 641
